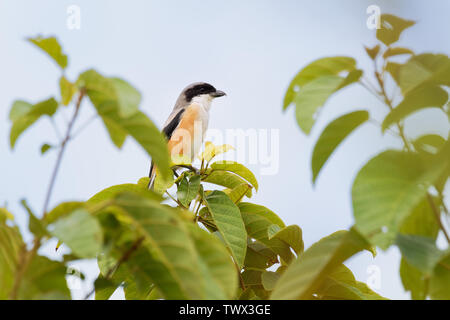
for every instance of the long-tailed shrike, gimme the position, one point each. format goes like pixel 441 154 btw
pixel 187 124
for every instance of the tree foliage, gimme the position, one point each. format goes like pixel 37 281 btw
pixel 210 242
pixel 398 195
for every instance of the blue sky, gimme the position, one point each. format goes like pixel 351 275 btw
pixel 250 49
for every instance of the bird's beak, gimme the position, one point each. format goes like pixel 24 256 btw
pixel 218 93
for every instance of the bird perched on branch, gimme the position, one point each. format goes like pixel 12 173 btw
pixel 187 124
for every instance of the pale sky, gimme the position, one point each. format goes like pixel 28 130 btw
pixel 250 49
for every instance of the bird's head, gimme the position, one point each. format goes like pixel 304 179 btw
pixel 200 92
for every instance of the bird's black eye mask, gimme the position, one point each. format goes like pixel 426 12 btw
pixel 199 89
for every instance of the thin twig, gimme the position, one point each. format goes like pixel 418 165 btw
pixel 28 256
pixel 61 152
pixel 437 215
pixel 84 126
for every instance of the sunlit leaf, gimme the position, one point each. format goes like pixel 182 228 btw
pixel 81 232
pixel 258 220
pixel 332 136
pixel 236 168
pixel 311 97
pixel 413 280
pixel 422 97
pixel 237 193
pixel 427 68
pixel 26 116
pixel 67 90
pixel 291 235
pixel 228 220
pixel 440 281
pixel 112 100
pixel 128 97
pixel 396 51
pixel 387 189
pixel 45 147
pixel 11 245
pixel 391 28
pixel 52 48
pixel 188 189
pixel 225 179
pixel 322 67
pixel 212 150
pixel 36 226
pixel 307 272
pixel 171 260
pixel 220 274
pixel 373 52
pixel 44 279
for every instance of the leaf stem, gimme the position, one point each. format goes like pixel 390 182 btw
pixel 27 256
pixel 437 216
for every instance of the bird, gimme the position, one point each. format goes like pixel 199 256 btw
pixel 186 125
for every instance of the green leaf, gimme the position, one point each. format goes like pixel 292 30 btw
pixel 387 189
pixel 322 67
pixel 391 28
pixel 19 109
pixel 63 209
pixel 169 257
pixel 267 214
pixel 44 279
pixel 52 48
pixel 219 271
pixel 373 52
pixel 81 232
pixel 238 169
pixel 228 220
pixel 413 280
pixel 212 150
pixel 188 189
pixel 311 98
pixel 67 90
pixel 332 136
pixel 420 252
pixel 394 70
pixel 421 221
pixel 292 236
pixel 258 220
pixel 341 285
pixel 45 147
pixel 36 226
pixel 112 98
pixel 269 279
pixel 225 179
pixel 111 192
pixel 426 96
pixel 304 276
pixel 22 120
pixel 237 193
pixel 429 143
pixel 5 215
pixel 11 245
pixel 396 51
pixel 440 281
pixel 427 68
pixel 128 97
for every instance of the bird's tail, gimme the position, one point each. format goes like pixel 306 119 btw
pixel 152 176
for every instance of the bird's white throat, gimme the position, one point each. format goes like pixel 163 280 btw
pixel 203 100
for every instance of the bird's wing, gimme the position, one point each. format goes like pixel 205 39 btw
pixel 172 123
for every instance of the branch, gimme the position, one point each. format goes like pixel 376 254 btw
pixel 437 215
pixel 27 257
